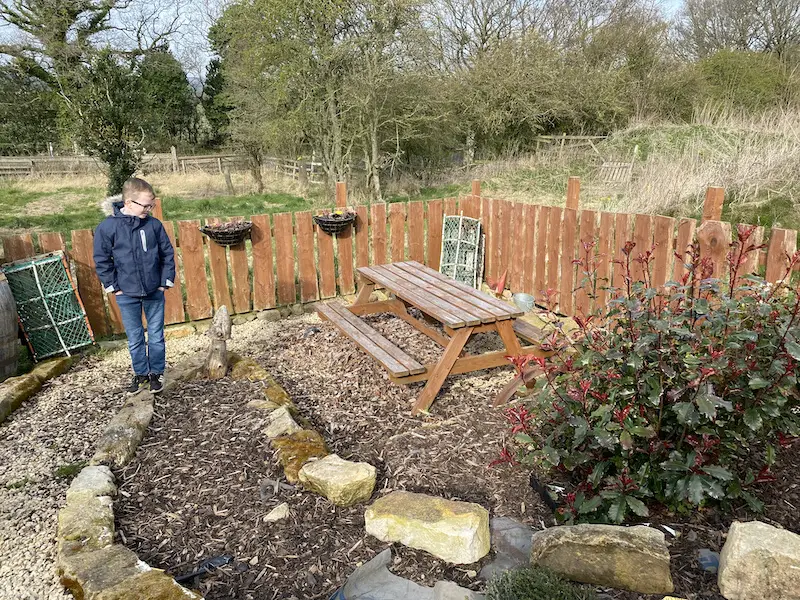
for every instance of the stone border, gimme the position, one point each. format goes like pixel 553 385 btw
pixel 15 390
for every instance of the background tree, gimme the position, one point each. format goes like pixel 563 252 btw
pixel 28 111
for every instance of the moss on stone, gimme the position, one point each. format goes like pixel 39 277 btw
pixel 297 449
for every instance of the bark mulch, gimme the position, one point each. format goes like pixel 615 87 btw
pixel 205 477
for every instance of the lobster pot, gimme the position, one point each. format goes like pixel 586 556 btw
pixel 462 250
pixel 9 341
pixel 50 311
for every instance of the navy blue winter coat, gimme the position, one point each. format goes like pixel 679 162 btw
pixel 133 255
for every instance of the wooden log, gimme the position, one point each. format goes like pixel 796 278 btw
pixel 216 365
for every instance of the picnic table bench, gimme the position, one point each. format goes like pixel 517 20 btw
pixel 460 310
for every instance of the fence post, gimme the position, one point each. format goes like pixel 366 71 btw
pixel 573 192
pixel 229 183
pixel 712 207
pixel 476 188
pixel 174 152
pixel 341 194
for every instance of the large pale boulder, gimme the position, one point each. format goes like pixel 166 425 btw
pixel 630 558
pixel 88 521
pixel 92 481
pixel 341 481
pixel 120 439
pixel 457 532
pixel 759 562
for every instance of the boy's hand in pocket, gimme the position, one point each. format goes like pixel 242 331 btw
pixel 118 293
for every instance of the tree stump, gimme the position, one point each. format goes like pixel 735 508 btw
pixel 216 365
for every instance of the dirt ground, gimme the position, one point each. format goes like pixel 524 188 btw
pixel 205 477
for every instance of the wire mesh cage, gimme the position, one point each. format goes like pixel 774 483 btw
pixel 462 250
pixel 50 311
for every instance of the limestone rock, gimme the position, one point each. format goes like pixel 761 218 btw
pixel 457 532
pixel 88 520
pixel 759 561
pixel 297 449
pixel 264 405
pixel 246 368
pixel 92 481
pixel 120 439
pixel 281 423
pixel 342 482
pixel 275 393
pixel 285 311
pixel 116 573
pixel 15 391
pixel 631 558
pixel 244 318
pixel 203 325
pixel 174 332
pixel 276 514
pixel 269 315
pixel 185 370
pixel 297 309
pixel 49 369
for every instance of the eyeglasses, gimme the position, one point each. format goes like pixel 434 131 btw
pixel 147 207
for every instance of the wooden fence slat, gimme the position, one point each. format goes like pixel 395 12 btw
pixel 568 269
pixel 435 221
pixel 586 236
pixel 643 237
pixel 663 240
pixel 158 210
pixel 488 223
pixel 378 218
pixel 503 240
pixel 684 237
pixel 89 286
pixel 306 263
pixel 397 231
pixel 605 242
pixel 750 265
pixel 50 241
pixel 712 207
pixel 516 258
pixel 173 297
pixel 218 265
pixel 284 258
pixel 782 244
pixel 416 231
pixel 622 235
pixel 344 251
pixel 198 304
pixel 362 238
pixel 450 206
pixel 17 247
pixel 327 266
pixel 263 272
pixel 240 274
pixel 540 266
pixel 530 214
pixel 714 238
pixel 553 249
pixel 471 207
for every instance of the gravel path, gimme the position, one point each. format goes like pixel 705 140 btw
pixel 45 443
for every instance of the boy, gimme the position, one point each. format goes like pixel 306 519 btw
pixel 135 261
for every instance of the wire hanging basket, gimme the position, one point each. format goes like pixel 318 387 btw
pixel 228 234
pixel 335 222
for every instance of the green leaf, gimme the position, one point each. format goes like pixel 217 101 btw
pixel 754 503
pixel 793 348
pixel 581 428
pixel 590 505
pixel 695 489
pixel 756 383
pixel 617 510
pixel 770 454
pixel 707 408
pixel 752 418
pixel 597 473
pixel 524 438
pixel 626 440
pixel 718 472
pixel 645 432
pixel 686 412
pixel 637 506
pixel 552 456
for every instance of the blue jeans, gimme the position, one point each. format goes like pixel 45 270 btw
pixel 150 357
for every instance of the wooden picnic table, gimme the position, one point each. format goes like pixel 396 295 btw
pixel 462 311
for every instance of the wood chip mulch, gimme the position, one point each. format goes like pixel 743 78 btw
pixel 205 477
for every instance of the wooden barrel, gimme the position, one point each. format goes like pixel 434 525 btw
pixel 9 341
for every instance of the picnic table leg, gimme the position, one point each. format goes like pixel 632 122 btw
pixel 442 370
pixel 506 331
pixel 364 293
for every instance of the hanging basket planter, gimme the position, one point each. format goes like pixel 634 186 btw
pixel 335 222
pixel 228 234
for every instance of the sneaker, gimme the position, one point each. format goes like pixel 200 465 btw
pixel 156 382
pixel 136 384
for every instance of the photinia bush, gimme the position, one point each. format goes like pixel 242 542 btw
pixel 678 396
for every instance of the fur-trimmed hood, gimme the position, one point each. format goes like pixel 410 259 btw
pixel 107 205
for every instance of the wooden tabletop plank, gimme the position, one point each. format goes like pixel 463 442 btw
pixel 442 290
pixel 509 310
pixel 424 302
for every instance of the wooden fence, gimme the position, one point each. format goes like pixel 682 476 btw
pixel 289 260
